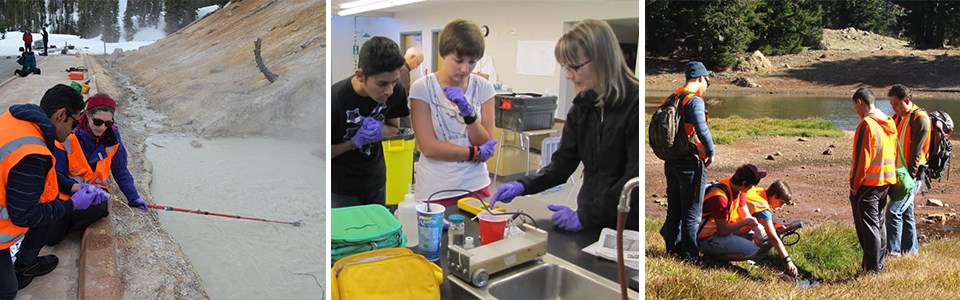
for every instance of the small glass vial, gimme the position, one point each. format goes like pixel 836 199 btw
pixel 456 230
pixel 468 243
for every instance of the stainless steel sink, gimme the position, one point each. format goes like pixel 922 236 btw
pixel 548 278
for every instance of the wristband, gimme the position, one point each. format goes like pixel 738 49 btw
pixel 470 119
pixel 476 149
pixel 470 158
pixel 787 259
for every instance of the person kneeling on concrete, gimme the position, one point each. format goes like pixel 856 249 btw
pixel 91 154
pixel 28 197
pixel 725 212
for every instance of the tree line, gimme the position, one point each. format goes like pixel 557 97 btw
pixel 92 18
pixel 717 32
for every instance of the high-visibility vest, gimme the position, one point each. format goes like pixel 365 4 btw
pixel 724 189
pixel 78 166
pixel 877 165
pixel 687 124
pixel 757 200
pixel 905 134
pixel 19 138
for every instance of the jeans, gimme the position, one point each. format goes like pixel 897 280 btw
pixel 868 204
pixel 374 197
pixel 686 180
pixel 901 225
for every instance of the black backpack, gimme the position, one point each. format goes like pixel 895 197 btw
pixel 667 138
pixel 941 126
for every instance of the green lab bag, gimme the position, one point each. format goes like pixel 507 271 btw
pixel 363 228
pixel 905 184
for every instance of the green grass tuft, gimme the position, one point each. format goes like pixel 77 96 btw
pixel 729 130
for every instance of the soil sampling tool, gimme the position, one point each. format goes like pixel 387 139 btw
pixel 297 223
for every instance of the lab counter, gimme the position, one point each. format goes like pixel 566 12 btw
pixel 563 244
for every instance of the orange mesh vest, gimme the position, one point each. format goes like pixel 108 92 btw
pixel 757 200
pixel 710 224
pixel 874 155
pixel 687 125
pixel 905 134
pixel 19 138
pixel 79 169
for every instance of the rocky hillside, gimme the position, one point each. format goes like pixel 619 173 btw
pixel 204 78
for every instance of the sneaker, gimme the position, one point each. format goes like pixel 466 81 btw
pixel 43 265
pixel 895 254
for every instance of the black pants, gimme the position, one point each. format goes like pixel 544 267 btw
pixel 30 247
pixel 374 197
pixel 75 221
pixel 868 205
pixel 27 46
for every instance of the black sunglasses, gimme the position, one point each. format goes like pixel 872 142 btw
pixel 75 122
pixel 576 68
pixel 98 122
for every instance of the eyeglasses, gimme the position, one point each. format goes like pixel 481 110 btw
pixel 576 68
pixel 75 122
pixel 98 122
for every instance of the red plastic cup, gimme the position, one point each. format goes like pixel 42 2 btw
pixel 492 227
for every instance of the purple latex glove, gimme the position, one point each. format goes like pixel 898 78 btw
pixel 138 203
pixel 565 218
pixel 455 95
pixel 507 192
pixel 486 150
pixel 87 195
pixel 370 131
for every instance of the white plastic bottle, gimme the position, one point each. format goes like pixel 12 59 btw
pixel 407 215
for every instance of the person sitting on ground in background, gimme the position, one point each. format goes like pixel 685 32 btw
pixel 364 108
pixel 760 202
pixel 913 127
pixel 29 185
pixel 452 115
pixel 607 101
pixel 725 213
pixel 90 155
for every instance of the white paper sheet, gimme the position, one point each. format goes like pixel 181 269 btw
pixel 536 58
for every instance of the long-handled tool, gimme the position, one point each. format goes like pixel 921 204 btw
pixel 297 223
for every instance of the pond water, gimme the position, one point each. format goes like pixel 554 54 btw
pixel 838 110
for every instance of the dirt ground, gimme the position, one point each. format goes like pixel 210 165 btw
pixel 853 59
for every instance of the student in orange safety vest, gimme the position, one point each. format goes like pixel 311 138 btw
pixel 725 212
pixel 913 135
pixel 871 175
pixel 760 202
pixel 29 185
pixel 92 154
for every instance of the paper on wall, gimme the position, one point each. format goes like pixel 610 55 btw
pixel 536 58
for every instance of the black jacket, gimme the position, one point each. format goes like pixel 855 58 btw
pixel 610 153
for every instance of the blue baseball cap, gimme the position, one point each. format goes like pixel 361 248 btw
pixel 695 69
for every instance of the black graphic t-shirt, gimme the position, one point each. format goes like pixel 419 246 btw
pixel 360 171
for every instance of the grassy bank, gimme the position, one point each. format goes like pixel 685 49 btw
pixel 729 130
pixel 828 253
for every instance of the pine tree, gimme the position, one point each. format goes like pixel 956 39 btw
pixel 785 26
pixel 108 21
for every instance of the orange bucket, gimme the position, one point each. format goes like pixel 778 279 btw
pixel 76 75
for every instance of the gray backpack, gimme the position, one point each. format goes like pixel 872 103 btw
pixel 667 138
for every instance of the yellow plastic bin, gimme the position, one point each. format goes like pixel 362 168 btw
pixel 398 156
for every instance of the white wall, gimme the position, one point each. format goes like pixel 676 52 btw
pixel 509 22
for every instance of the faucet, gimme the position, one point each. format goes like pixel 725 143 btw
pixel 622 209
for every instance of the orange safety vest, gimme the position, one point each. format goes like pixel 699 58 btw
pixel 709 227
pixel 79 169
pixel 905 136
pixel 757 200
pixel 874 155
pixel 687 125
pixel 19 138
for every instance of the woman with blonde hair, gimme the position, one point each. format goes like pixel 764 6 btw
pixel 452 116
pixel 602 130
